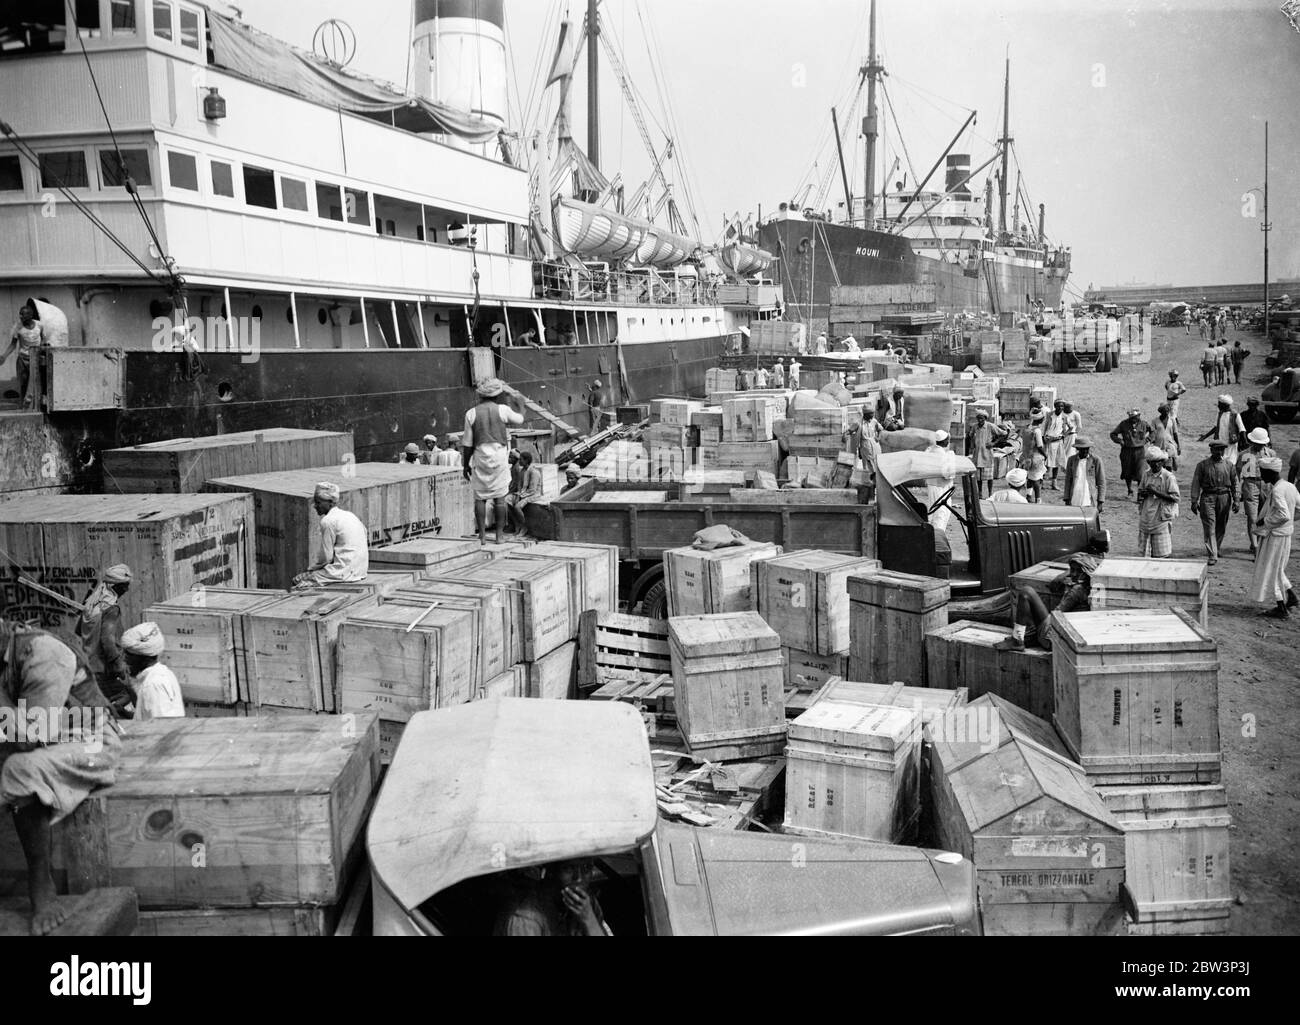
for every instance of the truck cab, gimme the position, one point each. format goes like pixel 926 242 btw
pixel 481 798
pixel 931 522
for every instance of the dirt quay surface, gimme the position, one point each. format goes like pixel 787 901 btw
pixel 1259 678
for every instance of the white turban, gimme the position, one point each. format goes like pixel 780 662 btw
pixel 327 490
pixel 144 639
pixel 1017 478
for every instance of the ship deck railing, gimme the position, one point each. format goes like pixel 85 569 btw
pixel 646 287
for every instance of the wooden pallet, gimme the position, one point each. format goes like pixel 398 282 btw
pixel 613 646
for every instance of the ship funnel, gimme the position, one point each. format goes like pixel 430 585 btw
pixel 459 55
pixel 958 170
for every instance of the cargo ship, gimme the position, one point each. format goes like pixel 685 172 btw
pixel 223 232
pixel 945 237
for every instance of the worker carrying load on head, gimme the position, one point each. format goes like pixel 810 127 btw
pixel 345 552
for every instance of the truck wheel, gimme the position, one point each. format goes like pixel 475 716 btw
pixel 654 604
pixel 1281 414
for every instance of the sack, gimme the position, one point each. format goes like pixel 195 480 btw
pixel 718 536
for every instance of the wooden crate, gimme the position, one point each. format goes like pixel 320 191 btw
pixel 1012 720
pixel 292 648
pixel 890 615
pixel 396 661
pixel 614 646
pixel 382 583
pixel 741 455
pixel 1176 867
pixel 806 670
pixel 554 674
pixel 963 654
pixel 854 770
pixel 635 414
pixel 543 611
pixel 207 640
pixel 593 574
pixel 1047 579
pixel 709 582
pixel 278 921
pixel 422 553
pixel 717 379
pixel 513 683
pixel 278 803
pixel 804 597
pixel 501 615
pixel 1036 831
pixel 490 637
pixel 727 685
pixel 395 501
pixel 182 465
pixel 171 542
pixel 1137 695
pixel 1128 583
pixel 673 411
pixel 747 420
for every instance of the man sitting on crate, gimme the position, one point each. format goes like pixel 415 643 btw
pixel 1030 618
pixel 345 551
pixel 57 744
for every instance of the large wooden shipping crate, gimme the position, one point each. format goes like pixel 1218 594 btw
pixel 395 501
pixel 808 671
pixel 553 675
pixel 854 770
pixel 1137 695
pixel 741 455
pixel 396 660
pixel 748 420
pixel 728 685
pixel 964 654
pixel 421 553
pixel 501 615
pixel 1047 579
pixel 702 583
pixel 1120 583
pixel 171 543
pixel 183 465
pixel 593 574
pixel 890 615
pixel 543 590
pixel 804 597
pixel 1176 866
pixel 292 644
pixel 206 633
pixel 1038 833
pixel 223 813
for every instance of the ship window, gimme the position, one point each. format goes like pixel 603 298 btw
pixel 259 187
pixel 162 20
pixel 113 169
pixel 182 171
pixel 294 193
pixel 87 15
pixel 223 180
pixel 123 17
pixel 328 204
pixel 66 168
pixel 357 204
pixel 11 174
pixel 189 28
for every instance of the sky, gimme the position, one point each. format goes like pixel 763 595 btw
pixel 1138 123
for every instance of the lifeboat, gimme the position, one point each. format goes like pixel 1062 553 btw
pixel 744 260
pixel 592 232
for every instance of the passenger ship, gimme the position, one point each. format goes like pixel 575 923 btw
pixel 380 244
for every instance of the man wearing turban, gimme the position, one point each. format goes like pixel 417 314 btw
pixel 345 545
pixel 485 447
pixel 1157 506
pixel 157 691
pixel 100 631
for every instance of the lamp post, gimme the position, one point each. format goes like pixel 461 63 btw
pixel 1266 228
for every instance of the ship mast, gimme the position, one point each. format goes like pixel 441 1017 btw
pixel 871 71
pixel 1005 142
pixel 593 84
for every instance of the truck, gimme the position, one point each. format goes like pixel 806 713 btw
pixel 481 799
pixel 1282 397
pixel 992 540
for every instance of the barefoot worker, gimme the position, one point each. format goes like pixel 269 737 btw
pixel 485 448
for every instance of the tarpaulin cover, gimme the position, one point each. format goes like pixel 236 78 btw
pixel 262 58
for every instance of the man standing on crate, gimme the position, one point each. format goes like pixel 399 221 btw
pixel 484 454
pixel 1157 507
pixel 1276 526
pixel 61 744
pixel 345 544
pixel 1132 436
pixel 100 631
pixel 1214 492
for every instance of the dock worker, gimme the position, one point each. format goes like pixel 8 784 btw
pixel 1164 435
pixel 157 691
pixel 1276 527
pixel 484 454
pixel 595 405
pixel 1224 364
pixel 345 552
pixel 1132 436
pixel 1015 489
pixel 27 334
pixel 778 374
pixel 979 447
pixel 1214 492
pixel 1157 507
pixel 1227 428
pixel 1085 477
pixel 1074 426
pixel 1174 392
pixel 100 631
pixel 1254 416
pixel 1055 452
pixel 1033 453
pixel 820 347
pixel 1258 448
pixel 69 746
pixel 1209 361
pixel 760 377
pixel 1030 618
pixel 528 492
pixel 1237 356
pixel 794 374
pixel 558 902
pixel 572 478
pixel 410 455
